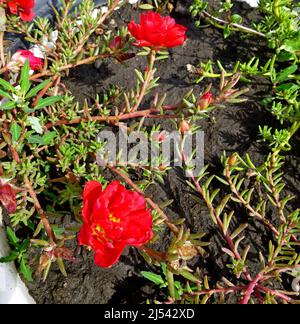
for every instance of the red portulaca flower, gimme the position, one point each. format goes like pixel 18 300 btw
pixel 23 8
pixel 20 57
pixel 112 219
pixel 8 197
pixel 157 32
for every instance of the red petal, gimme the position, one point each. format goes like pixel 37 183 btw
pixel 8 198
pixel 85 236
pixel 107 257
pixel 91 193
pixel 27 16
pixel 157 32
pixel 13 7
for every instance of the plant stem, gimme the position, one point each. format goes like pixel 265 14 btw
pixel 88 60
pixel 7 136
pixel 158 256
pixel 2 58
pixel 164 217
pixel 149 77
pixel 220 23
pixel 40 211
pixel 171 284
pixel 112 119
pixel 215 215
pixel 252 211
pixel 217 291
pixel 43 91
pixel 250 289
pixel 276 294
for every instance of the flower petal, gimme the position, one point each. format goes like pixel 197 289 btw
pixel 92 191
pixel 106 257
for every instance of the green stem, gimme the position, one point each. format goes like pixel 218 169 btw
pixel 293 130
pixel 149 78
pixel 276 10
pixel 222 24
pixel 171 284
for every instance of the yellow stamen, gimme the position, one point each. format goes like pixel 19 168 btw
pixel 114 219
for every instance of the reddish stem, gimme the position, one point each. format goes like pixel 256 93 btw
pixel 40 211
pixel 165 218
pixel 218 291
pixel 43 91
pixel 250 289
pixel 111 119
pixel 276 294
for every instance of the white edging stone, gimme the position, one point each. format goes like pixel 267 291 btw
pixel 12 288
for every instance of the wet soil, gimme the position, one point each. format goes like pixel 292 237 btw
pixel 234 128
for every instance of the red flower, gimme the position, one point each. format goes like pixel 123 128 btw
pixel 205 101
pixel 36 63
pixel 20 57
pixel 22 7
pixel 112 219
pixel 157 32
pixel 8 197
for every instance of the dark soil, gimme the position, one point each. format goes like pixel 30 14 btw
pixel 235 128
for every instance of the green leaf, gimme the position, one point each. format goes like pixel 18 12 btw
pixel 25 78
pixel 42 140
pixel 24 245
pixel 35 124
pixel 226 32
pixel 25 270
pixel 6 85
pixel 12 237
pixel 15 131
pixel 34 91
pixel 237 19
pixel 157 279
pixel 48 137
pixel 8 105
pixel 45 102
pixel 36 139
pixel 146 7
pixel 62 267
pixel 284 74
pixel 288 87
pixel 11 257
pixel 292 45
pixel 5 95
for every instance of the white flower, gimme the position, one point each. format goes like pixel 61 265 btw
pixel 17 60
pixel 47 43
pixel 104 9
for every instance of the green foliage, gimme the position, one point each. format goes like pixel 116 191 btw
pixel 51 146
pixel 18 254
pixel 19 96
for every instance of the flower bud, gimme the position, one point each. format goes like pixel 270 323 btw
pixel 116 43
pixel 184 127
pixel 204 101
pixel 232 160
pixel 159 137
